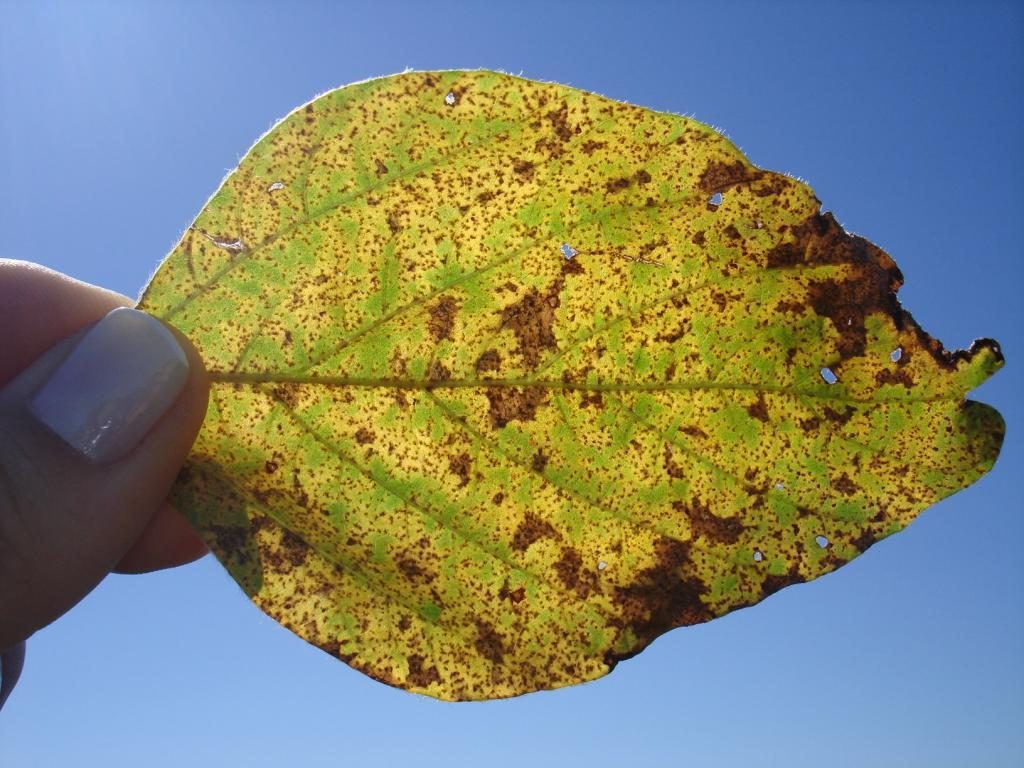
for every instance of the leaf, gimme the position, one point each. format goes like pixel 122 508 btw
pixel 510 378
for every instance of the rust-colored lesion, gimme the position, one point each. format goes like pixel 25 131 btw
pixel 441 318
pixel 531 529
pixel 539 461
pixel 868 286
pixel 718 176
pixel 773 582
pixel 508 404
pixel 488 362
pixel 421 674
pixel 666 595
pixel 461 466
pixel 438 372
pixel 672 469
pixel 709 526
pixel 414 570
pixel 574 574
pixel 759 408
pixel 290 552
pixel 531 319
pixel 489 642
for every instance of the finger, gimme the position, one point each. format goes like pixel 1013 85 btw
pixel 39 307
pixel 167 541
pixel 95 431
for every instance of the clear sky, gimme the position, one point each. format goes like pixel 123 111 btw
pixel 117 120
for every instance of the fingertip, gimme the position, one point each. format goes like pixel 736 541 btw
pixel 167 542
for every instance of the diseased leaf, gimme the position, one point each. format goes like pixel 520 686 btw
pixel 509 379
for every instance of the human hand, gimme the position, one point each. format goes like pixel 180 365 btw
pixel 98 410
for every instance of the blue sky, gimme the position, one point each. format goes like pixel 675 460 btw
pixel 117 120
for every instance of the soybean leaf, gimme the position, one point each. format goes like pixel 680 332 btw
pixel 510 378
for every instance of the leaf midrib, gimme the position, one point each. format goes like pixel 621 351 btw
pixel 234 378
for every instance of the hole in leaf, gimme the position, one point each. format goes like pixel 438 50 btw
pixel 822 541
pixel 780 486
pixel 275 186
pixel 601 565
pixel 568 251
pixel 829 376
pixel 758 556
pixel 450 98
pixel 715 199
pixel 896 354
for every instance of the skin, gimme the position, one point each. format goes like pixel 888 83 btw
pixel 96 519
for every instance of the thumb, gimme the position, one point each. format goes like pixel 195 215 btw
pixel 93 435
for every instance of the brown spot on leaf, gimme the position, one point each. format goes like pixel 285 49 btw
pixel 899 376
pixel 513 404
pixel 523 168
pixel 572 266
pixel 438 372
pixel 287 393
pixel 772 583
pixel 559 119
pixel 723 530
pixel 771 184
pixel 573 575
pixel 539 461
pixel 847 302
pixel 792 307
pixel 759 409
pixel 381 168
pixel 413 570
pixel 869 286
pixel 617 185
pixel 530 530
pixel 845 485
pixel 489 643
pixel 442 318
pixel 364 436
pixel 839 417
pixel 289 554
pixel 718 177
pixel 234 541
pixel 531 320
pixel 514 595
pixel 270 467
pixel 420 675
pixel 810 424
pixel 671 468
pixel 642 176
pixel 488 361
pixel 865 540
pixel 461 466
pixel 698 238
pixel 664 596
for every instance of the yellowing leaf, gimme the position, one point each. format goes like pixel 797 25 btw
pixel 509 379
